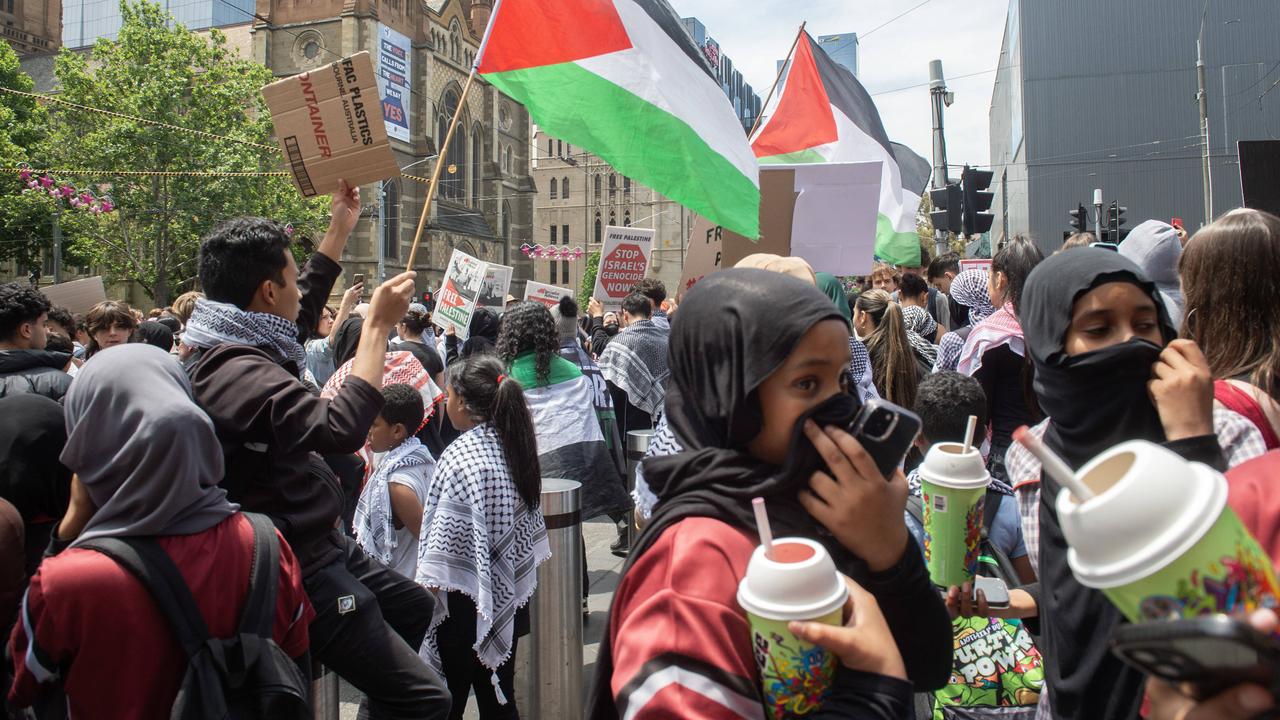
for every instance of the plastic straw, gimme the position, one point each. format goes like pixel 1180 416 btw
pixel 968 433
pixel 1052 464
pixel 762 526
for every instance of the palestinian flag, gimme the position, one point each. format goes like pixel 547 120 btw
pixel 823 114
pixel 622 79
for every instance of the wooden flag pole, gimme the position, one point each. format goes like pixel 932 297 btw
pixel 776 80
pixel 441 160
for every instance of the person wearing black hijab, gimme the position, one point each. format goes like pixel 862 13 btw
pixel 482 336
pixel 156 333
pixel 32 435
pixel 1097 332
pixel 754 355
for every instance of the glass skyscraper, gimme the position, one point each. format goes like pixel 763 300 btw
pixel 84 21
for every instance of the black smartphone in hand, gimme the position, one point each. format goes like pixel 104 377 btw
pixel 1210 654
pixel 886 431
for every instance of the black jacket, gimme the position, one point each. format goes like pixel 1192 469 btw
pixel 34 371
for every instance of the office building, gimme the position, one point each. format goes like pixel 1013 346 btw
pixel 746 103
pixel 843 49
pixel 84 21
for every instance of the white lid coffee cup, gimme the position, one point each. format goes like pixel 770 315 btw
pixel 806 589
pixel 948 465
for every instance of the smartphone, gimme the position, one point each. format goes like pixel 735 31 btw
pixel 1211 654
pixel 359 278
pixel 994 589
pixel 887 432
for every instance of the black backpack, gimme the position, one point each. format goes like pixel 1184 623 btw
pixel 245 676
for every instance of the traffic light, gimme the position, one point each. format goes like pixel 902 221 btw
pixel 428 300
pixel 1079 219
pixel 946 208
pixel 1116 222
pixel 977 200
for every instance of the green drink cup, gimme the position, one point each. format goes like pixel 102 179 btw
pixel 799 582
pixel 1159 540
pixel 953 482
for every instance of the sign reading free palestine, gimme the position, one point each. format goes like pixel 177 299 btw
pixel 624 259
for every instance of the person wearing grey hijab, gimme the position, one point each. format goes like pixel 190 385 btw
pixel 1155 247
pixel 146 454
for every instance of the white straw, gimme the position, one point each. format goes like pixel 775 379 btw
pixel 1052 464
pixel 968 433
pixel 762 526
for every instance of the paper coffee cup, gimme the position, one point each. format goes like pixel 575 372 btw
pixel 954 488
pixel 1159 540
pixel 800 583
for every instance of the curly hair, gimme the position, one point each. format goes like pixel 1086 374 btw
pixel 529 327
pixel 20 304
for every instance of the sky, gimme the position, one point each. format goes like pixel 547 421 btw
pixel 964 34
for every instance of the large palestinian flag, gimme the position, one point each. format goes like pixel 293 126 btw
pixel 823 114
pixel 623 79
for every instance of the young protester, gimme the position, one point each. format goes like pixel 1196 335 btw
pixel 969 290
pixel 483 537
pixel 156 333
pixel 147 464
pixel 1229 274
pixel 320 347
pixel 185 304
pixel 25 365
pixel 942 271
pixel 884 277
pixel 994 351
pixel 921 332
pixel 1155 247
pixel 482 336
pixel 860 361
pixel 1077 240
pixel 653 289
pixel 109 324
pixel 32 435
pixel 389 515
pixel 61 322
pixel 758 394
pixel 411 332
pixel 602 326
pixel 635 365
pixel 895 365
pixel 1095 328
pixel 913 292
pixel 791 265
pixel 274 429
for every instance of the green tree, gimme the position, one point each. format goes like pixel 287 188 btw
pixel 159 71
pixel 589 277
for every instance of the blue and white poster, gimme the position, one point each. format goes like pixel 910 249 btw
pixel 394 80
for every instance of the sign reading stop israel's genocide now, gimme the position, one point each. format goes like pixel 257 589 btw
pixel 624 258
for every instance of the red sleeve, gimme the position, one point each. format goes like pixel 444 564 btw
pixel 37 647
pixel 293 609
pixel 1253 500
pixel 681 645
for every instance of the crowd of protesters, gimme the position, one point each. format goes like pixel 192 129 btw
pixel 401 469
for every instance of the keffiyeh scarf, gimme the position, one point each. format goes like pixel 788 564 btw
pixel 480 539
pixel 636 361
pixel 399 366
pixel 374 522
pixel 1002 328
pixel 920 327
pixel 970 290
pixel 662 443
pixel 216 323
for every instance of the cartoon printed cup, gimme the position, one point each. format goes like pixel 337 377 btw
pixel 953 483
pixel 800 583
pixel 1159 540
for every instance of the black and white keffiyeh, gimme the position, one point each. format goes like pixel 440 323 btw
pixel 373 522
pixel 920 327
pixel 480 539
pixel 636 361
pixel 216 323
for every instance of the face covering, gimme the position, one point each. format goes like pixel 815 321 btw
pixel 803 459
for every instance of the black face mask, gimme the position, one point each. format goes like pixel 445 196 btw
pixel 803 459
pixel 611 329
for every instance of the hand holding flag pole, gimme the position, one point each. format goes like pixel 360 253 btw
pixel 781 69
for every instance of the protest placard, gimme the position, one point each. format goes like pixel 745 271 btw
pixel 493 290
pixel 624 258
pixel 548 295
pixel 330 126
pixel 702 257
pixel 983 264
pixel 77 296
pixel 456 300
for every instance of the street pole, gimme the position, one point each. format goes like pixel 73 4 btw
pixel 1097 214
pixel 1004 204
pixel 1202 95
pixel 57 250
pixel 382 232
pixel 938 96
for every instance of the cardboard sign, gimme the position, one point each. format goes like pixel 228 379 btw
pixel 77 296
pixel 456 300
pixel 983 264
pixel 330 127
pixel 706 249
pixel 624 258
pixel 548 295
pixel 493 290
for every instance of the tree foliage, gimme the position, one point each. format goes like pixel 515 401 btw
pixel 157 70
pixel 589 276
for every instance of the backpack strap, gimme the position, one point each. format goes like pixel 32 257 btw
pixel 259 610
pixel 915 506
pixel 147 561
pixel 990 507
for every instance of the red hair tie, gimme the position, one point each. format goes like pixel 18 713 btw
pixel 501 377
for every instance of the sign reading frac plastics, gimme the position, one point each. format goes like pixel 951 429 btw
pixel 624 258
pixel 705 252
pixel 456 300
pixel 548 295
pixel 493 291
pixel 395 77
pixel 330 127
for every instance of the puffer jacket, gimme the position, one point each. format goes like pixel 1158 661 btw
pixel 34 371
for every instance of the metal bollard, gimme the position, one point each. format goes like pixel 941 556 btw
pixel 324 694
pixel 549 660
pixel 637 446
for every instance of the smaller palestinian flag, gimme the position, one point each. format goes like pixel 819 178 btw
pixel 822 114
pixel 623 79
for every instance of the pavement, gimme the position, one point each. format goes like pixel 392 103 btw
pixel 603 571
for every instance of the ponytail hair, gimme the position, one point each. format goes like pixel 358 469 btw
pixel 494 398
pixel 893 361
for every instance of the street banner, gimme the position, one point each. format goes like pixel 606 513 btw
pixel 493 290
pixel 703 255
pixel 983 264
pixel 395 77
pixel 329 126
pixel 548 295
pixel 77 296
pixel 456 300
pixel 624 258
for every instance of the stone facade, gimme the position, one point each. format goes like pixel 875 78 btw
pixel 484 206
pixel 31 26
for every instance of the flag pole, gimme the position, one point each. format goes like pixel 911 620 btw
pixel 448 138
pixel 756 125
